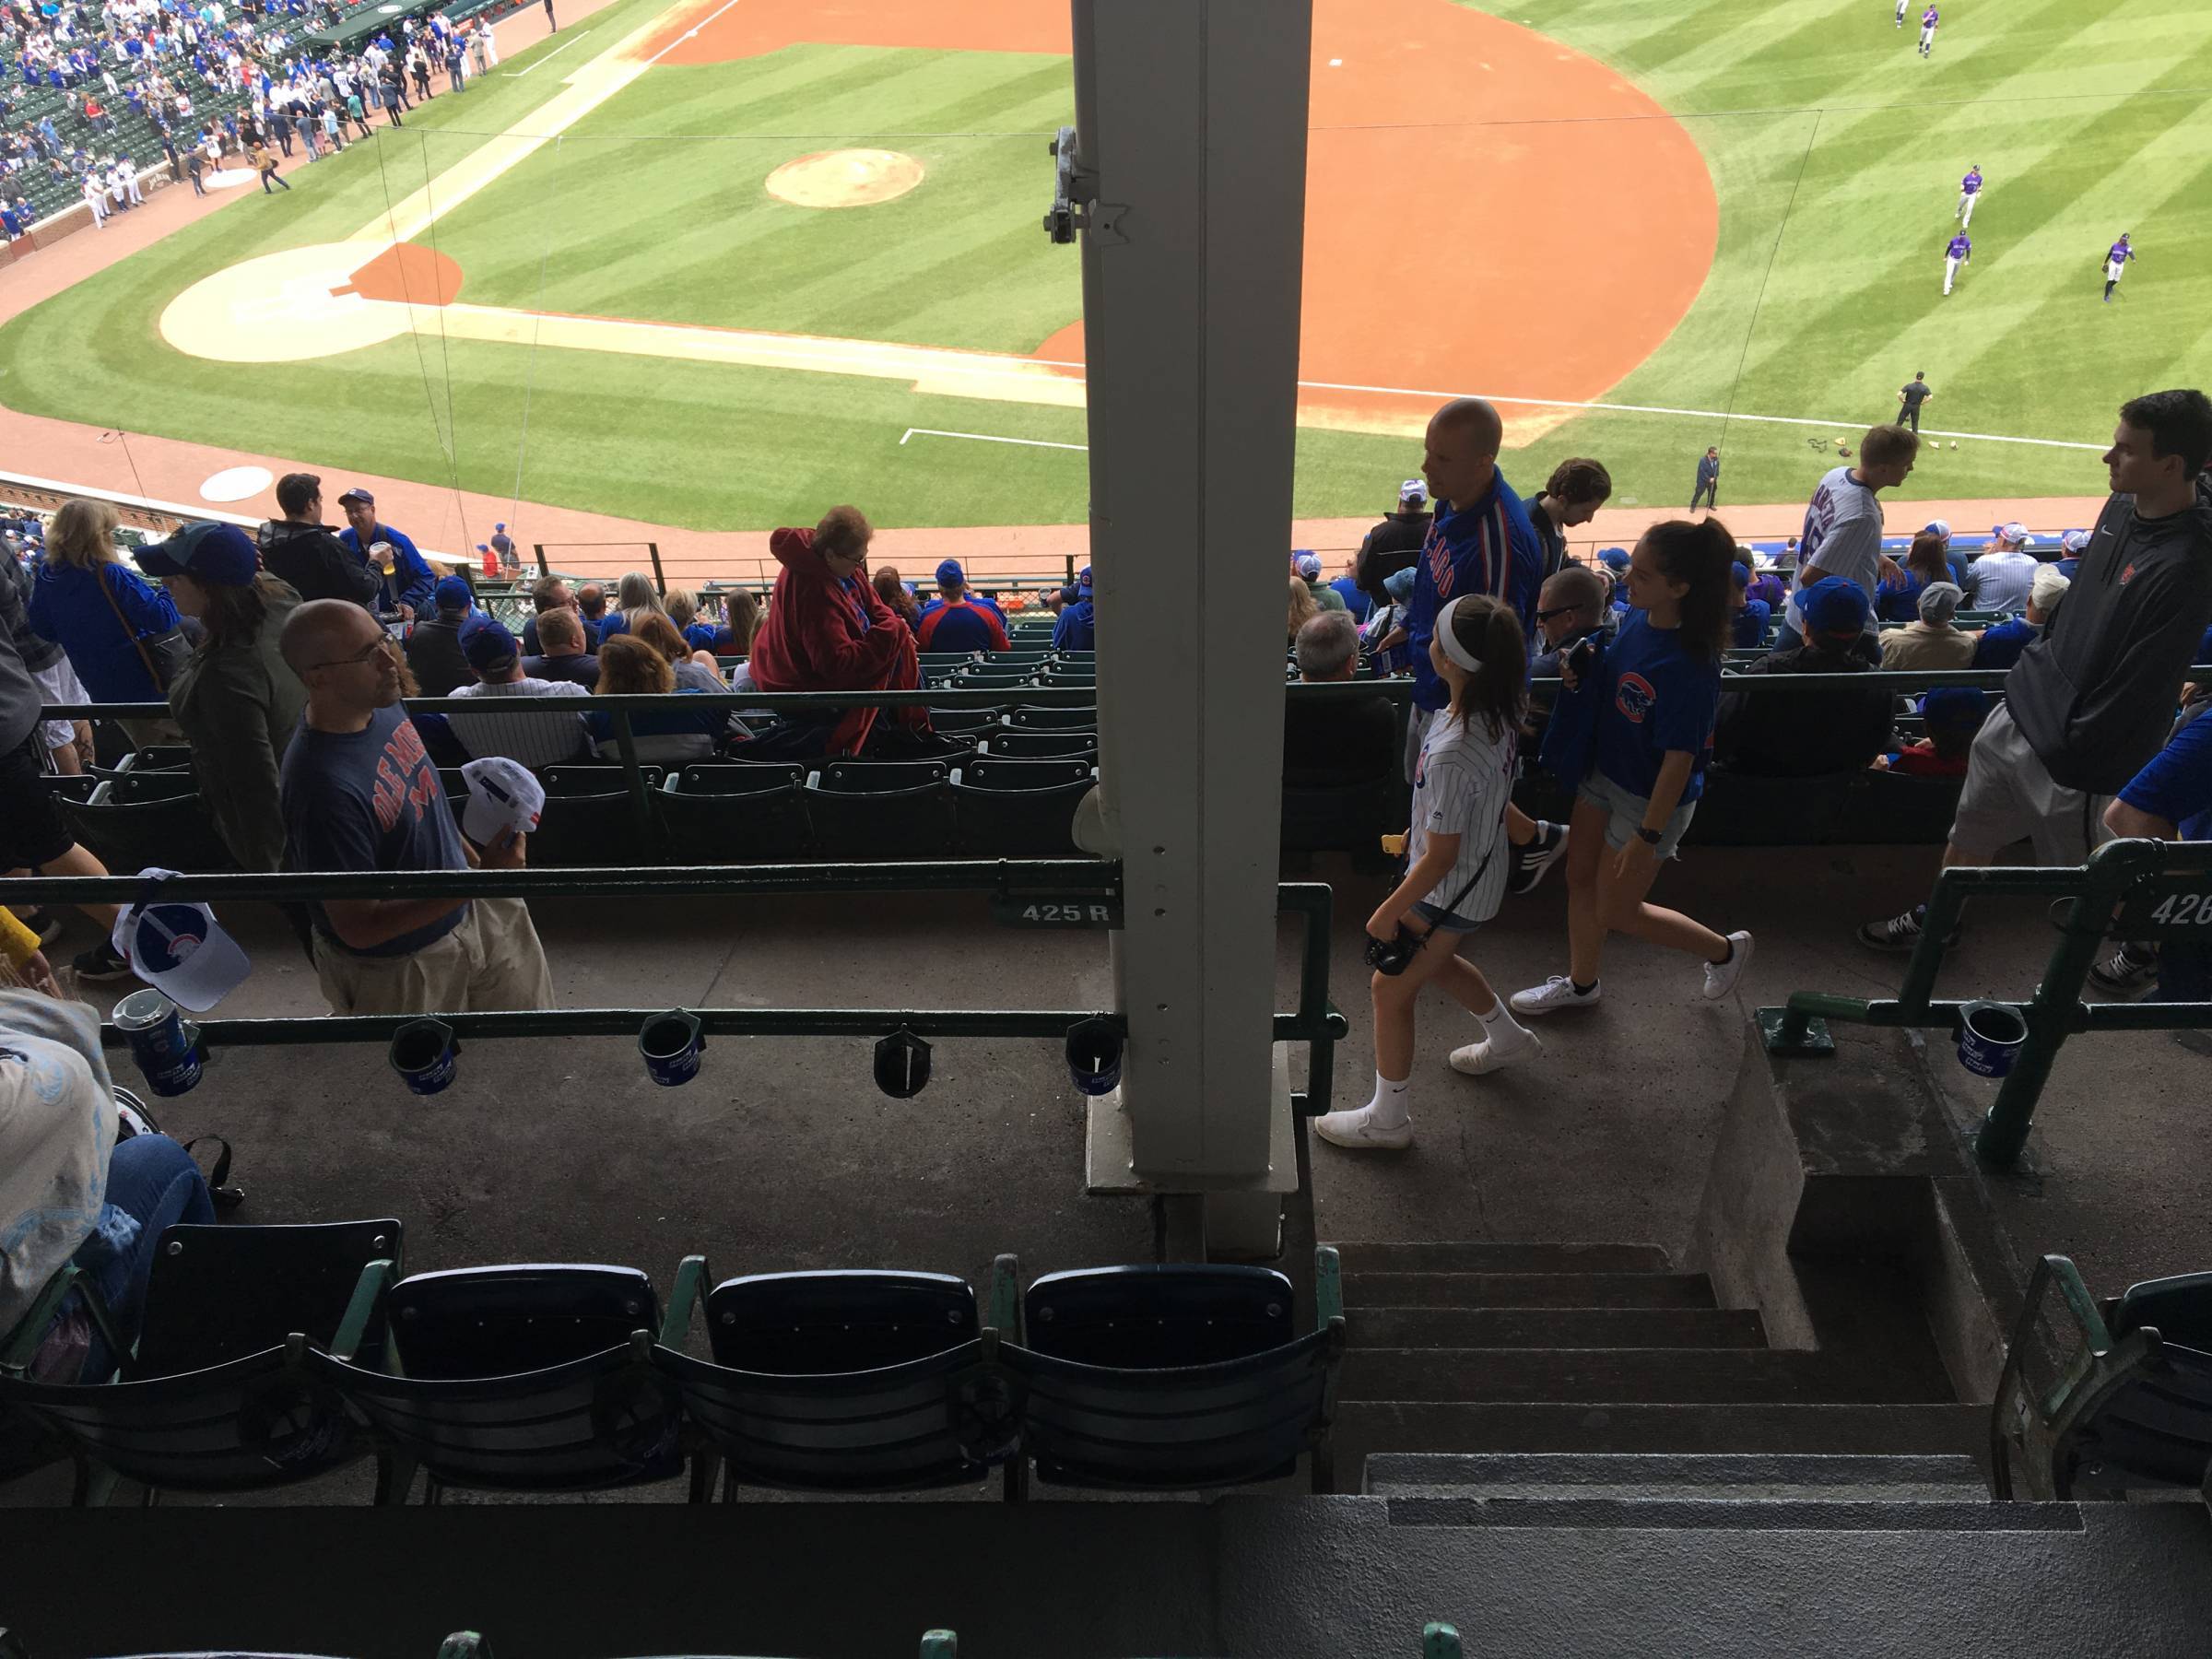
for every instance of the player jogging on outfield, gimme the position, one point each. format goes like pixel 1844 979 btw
pixel 1928 19
pixel 1969 191
pixel 1901 12
pixel 2115 265
pixel 1959 252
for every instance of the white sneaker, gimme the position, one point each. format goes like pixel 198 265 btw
pixel 1721 977
pixel 1356 1130
pixel 1554 994
pixel 1495 1054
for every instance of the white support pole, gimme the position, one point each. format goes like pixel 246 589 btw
pixel 1191 119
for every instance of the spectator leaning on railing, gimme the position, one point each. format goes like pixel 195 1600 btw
pixel 2088 703
pixel 237 700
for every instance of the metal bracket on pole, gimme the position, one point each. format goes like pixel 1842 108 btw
pixel 1789 1035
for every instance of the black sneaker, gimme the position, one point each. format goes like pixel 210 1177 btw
pixel 2129 973
pixel 1902 933
pixel 1546 848
pixel 103 961
pixel 42 922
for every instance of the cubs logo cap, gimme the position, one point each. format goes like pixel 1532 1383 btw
pixel 503 795
pixel 179 948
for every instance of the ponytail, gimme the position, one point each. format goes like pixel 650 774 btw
pixel 1492 634
pixel 1700 555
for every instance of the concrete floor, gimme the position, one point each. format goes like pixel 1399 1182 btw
pixel 781 1154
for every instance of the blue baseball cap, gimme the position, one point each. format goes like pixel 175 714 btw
pixel 1083 577
pixel 1307 565
pixel 453 593
pixel 488 646
pixel 949 571
pixel 219 555
pixel 1614 558
pixel 1955 706
pixel 1834 605
pixel 1740 573
pixel 1398 584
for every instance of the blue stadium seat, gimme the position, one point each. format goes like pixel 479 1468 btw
pixel 835 1382
pixel 526 1378
pixel 1014 808
pixel 736 812
pixel 218 1397
pixel 1172 1378
pixel 877 809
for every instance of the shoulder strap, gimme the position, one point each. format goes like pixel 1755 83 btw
pixel 138 645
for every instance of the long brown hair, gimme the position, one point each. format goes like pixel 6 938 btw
pixel 1304 607
pixel 1699 555
pixel 891 589
pixel 1926 557
pixel 659 632
pixel 745 621
pixel 1498 690
pixel 628 666
pixel 233 616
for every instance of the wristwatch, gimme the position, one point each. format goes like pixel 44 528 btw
pixel 1651 838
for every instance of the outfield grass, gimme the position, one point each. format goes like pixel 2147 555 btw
pixel 1835 152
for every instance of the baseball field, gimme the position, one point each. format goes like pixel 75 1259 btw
pixel 711 264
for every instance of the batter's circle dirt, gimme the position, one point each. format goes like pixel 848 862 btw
pixel 847 177
pixel 1486 210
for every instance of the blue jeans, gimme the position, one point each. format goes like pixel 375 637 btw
pixel 152 1180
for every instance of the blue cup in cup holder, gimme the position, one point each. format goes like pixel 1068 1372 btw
pixel 1990 1035
pixel 670 1044
pixel 423 1053
pixel 1094 1056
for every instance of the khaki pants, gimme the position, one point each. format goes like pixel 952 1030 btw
pixel 492 960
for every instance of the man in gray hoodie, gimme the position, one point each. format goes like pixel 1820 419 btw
pixel 2090 703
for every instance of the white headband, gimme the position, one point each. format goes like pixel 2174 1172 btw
pixel 1449 640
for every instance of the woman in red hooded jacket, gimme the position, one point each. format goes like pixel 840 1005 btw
pixel 828 630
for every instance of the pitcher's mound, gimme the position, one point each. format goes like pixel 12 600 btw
pixel 849 178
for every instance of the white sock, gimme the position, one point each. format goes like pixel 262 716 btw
pixel 1499 1025
pixel 1392 1103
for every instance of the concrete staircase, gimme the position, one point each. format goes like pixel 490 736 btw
pixel 1487 1348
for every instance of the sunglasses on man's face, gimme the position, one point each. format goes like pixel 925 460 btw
pixel 1557 610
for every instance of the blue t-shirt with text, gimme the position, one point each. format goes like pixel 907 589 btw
pixel 1654 699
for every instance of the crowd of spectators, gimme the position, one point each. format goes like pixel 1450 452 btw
pixel 90 93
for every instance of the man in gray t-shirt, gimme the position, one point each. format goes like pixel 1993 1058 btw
pixel 1843 532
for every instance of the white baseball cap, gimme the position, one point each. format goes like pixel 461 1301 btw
pixel 1414 489
pixel 2017 532
pixel 502 795
pixel 1939 527
pixel 180 949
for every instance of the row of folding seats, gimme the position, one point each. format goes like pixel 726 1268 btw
pixel 274 1355
pixel 872 809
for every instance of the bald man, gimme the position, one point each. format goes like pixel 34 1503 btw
pixel 361 794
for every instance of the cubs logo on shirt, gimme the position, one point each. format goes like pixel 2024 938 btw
pixel 1634 697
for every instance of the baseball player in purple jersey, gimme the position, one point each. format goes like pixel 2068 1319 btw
pixel 2115 266
pixel 1969 191
pixel 1957 254
pixel 1928 19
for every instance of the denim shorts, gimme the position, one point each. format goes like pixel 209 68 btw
pixel 1436 916
pixel 1628 811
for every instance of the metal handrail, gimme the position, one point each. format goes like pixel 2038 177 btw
pixel 2053 1013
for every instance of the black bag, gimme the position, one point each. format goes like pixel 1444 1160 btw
pixel 164 653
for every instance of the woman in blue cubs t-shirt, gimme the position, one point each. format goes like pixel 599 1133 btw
pixel 1658 690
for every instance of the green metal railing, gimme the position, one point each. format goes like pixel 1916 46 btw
pixel 2129 889
pixel 1315 1021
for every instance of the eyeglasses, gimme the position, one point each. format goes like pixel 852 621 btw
pixel 366 654
pixel 1557 610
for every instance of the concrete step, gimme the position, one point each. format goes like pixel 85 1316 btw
pixel 1613 1376
pixel 1375 1428
pixel 1555 1327
pixel 1493 1476
pixel 1389 1290
pixel 1740 1514
pixel 1486 1255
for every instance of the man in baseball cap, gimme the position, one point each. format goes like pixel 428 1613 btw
pixel 1078 628
pixel 1999 580
pixel 533 739
pixel 1307 568
pixel 407 575
pixel 1395 543
pixel 434 654
pixel 956 619
pixel 2071 547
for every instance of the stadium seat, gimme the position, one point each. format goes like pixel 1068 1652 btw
pixel 1016 807
pixel 157 757
pixel 2133 1409
pixel 218 1397
pixel 1329 815
pixel 134 819
pixel 877 809
pixel 1068 675
pixel 1173 1378
pixel 1891 809
pixel 736 812
pixel 989 679
pixel 963 720
pixel 589 817
pixel 1005 745
pixel 1052 719
pixel 589 778
pixel 835 1382
pixel 528 1378
pixel 1742 809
